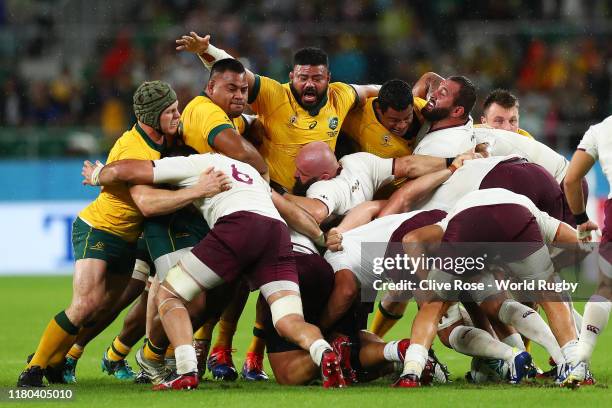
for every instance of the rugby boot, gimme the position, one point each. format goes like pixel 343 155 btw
pixel 519 367
pixel 121 370
pixel 201 347
pixel 31 377
pixel 252 369
pixel 221 365
pixel 407 381
pixel 342 347
pixel 54 375
pixel 331 372
pixel 575 376
pixel 156 371
pixel 69 372
pixel 188 381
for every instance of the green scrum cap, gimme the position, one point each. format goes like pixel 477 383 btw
pixel 150 100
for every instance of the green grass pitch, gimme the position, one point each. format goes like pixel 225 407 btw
pixel 29 302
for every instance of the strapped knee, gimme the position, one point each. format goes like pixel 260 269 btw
pixel 290 304
pixel 182 283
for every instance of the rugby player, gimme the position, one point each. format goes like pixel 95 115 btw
pixel 308 108
pixel 238 217
pixel 595 145
pixel 500 110
pixel 105 232
pixel 501 216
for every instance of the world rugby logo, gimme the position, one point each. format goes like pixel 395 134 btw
pixel 333 123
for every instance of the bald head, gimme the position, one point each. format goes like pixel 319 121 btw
pixel 315 161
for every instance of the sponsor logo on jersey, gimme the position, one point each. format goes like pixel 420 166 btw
pixel 312 125
pixel 355 186
pixel 293 119
pixel 527 313
pixel 98 246
pixel 386 139
pixel 333 123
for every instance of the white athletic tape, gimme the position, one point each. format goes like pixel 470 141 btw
pixel 183 284
pixel 290 304
pixel 142 270
pixel 216 53
pixel 271 288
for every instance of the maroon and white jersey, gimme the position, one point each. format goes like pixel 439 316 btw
pixel 492 196
pixel 447 142
pixel 361 176
pixel 597 142
pixel 502 143
pixel 249 192
pixel 466 179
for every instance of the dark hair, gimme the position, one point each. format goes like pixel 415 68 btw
pixel 466 96
pixel 227 64
pixel 310 56
pixel 502 97
pixel 396 94
pixel 179 150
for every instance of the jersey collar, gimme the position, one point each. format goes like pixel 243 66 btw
pixel 149 141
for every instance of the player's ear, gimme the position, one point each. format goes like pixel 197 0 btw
pixel 324 176
pixel 483 120
pixel 458 111
pixel 291 76
pixel 210 86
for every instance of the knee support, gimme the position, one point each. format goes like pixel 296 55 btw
pixel 141 270
pixel 182 283
pixel 290 304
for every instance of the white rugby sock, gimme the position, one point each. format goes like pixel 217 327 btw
pixel 595 319
pixel 530 324
pixel 390 351
pixel 415 359
pixel 317 348
pixel 570 352
pixel 478 343
pixel 186 360
pixel 515 340
pixel 577 319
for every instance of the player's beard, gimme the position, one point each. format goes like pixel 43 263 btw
pixel 300 189
pixel 298 96
pixel 436 114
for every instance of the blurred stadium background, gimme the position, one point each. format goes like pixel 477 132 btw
pixel 68 69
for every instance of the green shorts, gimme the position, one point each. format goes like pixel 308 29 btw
pixel 89 242
pixel 169 233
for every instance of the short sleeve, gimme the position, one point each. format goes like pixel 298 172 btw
pixel 265 94
pixel 381 169
pixel 344 96
pixel 589 143
pixel 327 192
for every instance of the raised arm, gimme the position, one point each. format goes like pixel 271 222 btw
pixel 426 84
pixel 206 52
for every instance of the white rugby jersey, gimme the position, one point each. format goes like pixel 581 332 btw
pixel 502 143
pixel 597 142
pixel 491 196
pixel 361 176
pixel 447 142
pixel 249 192
pixel 301 243
pixel 466 179
pixel 377 232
